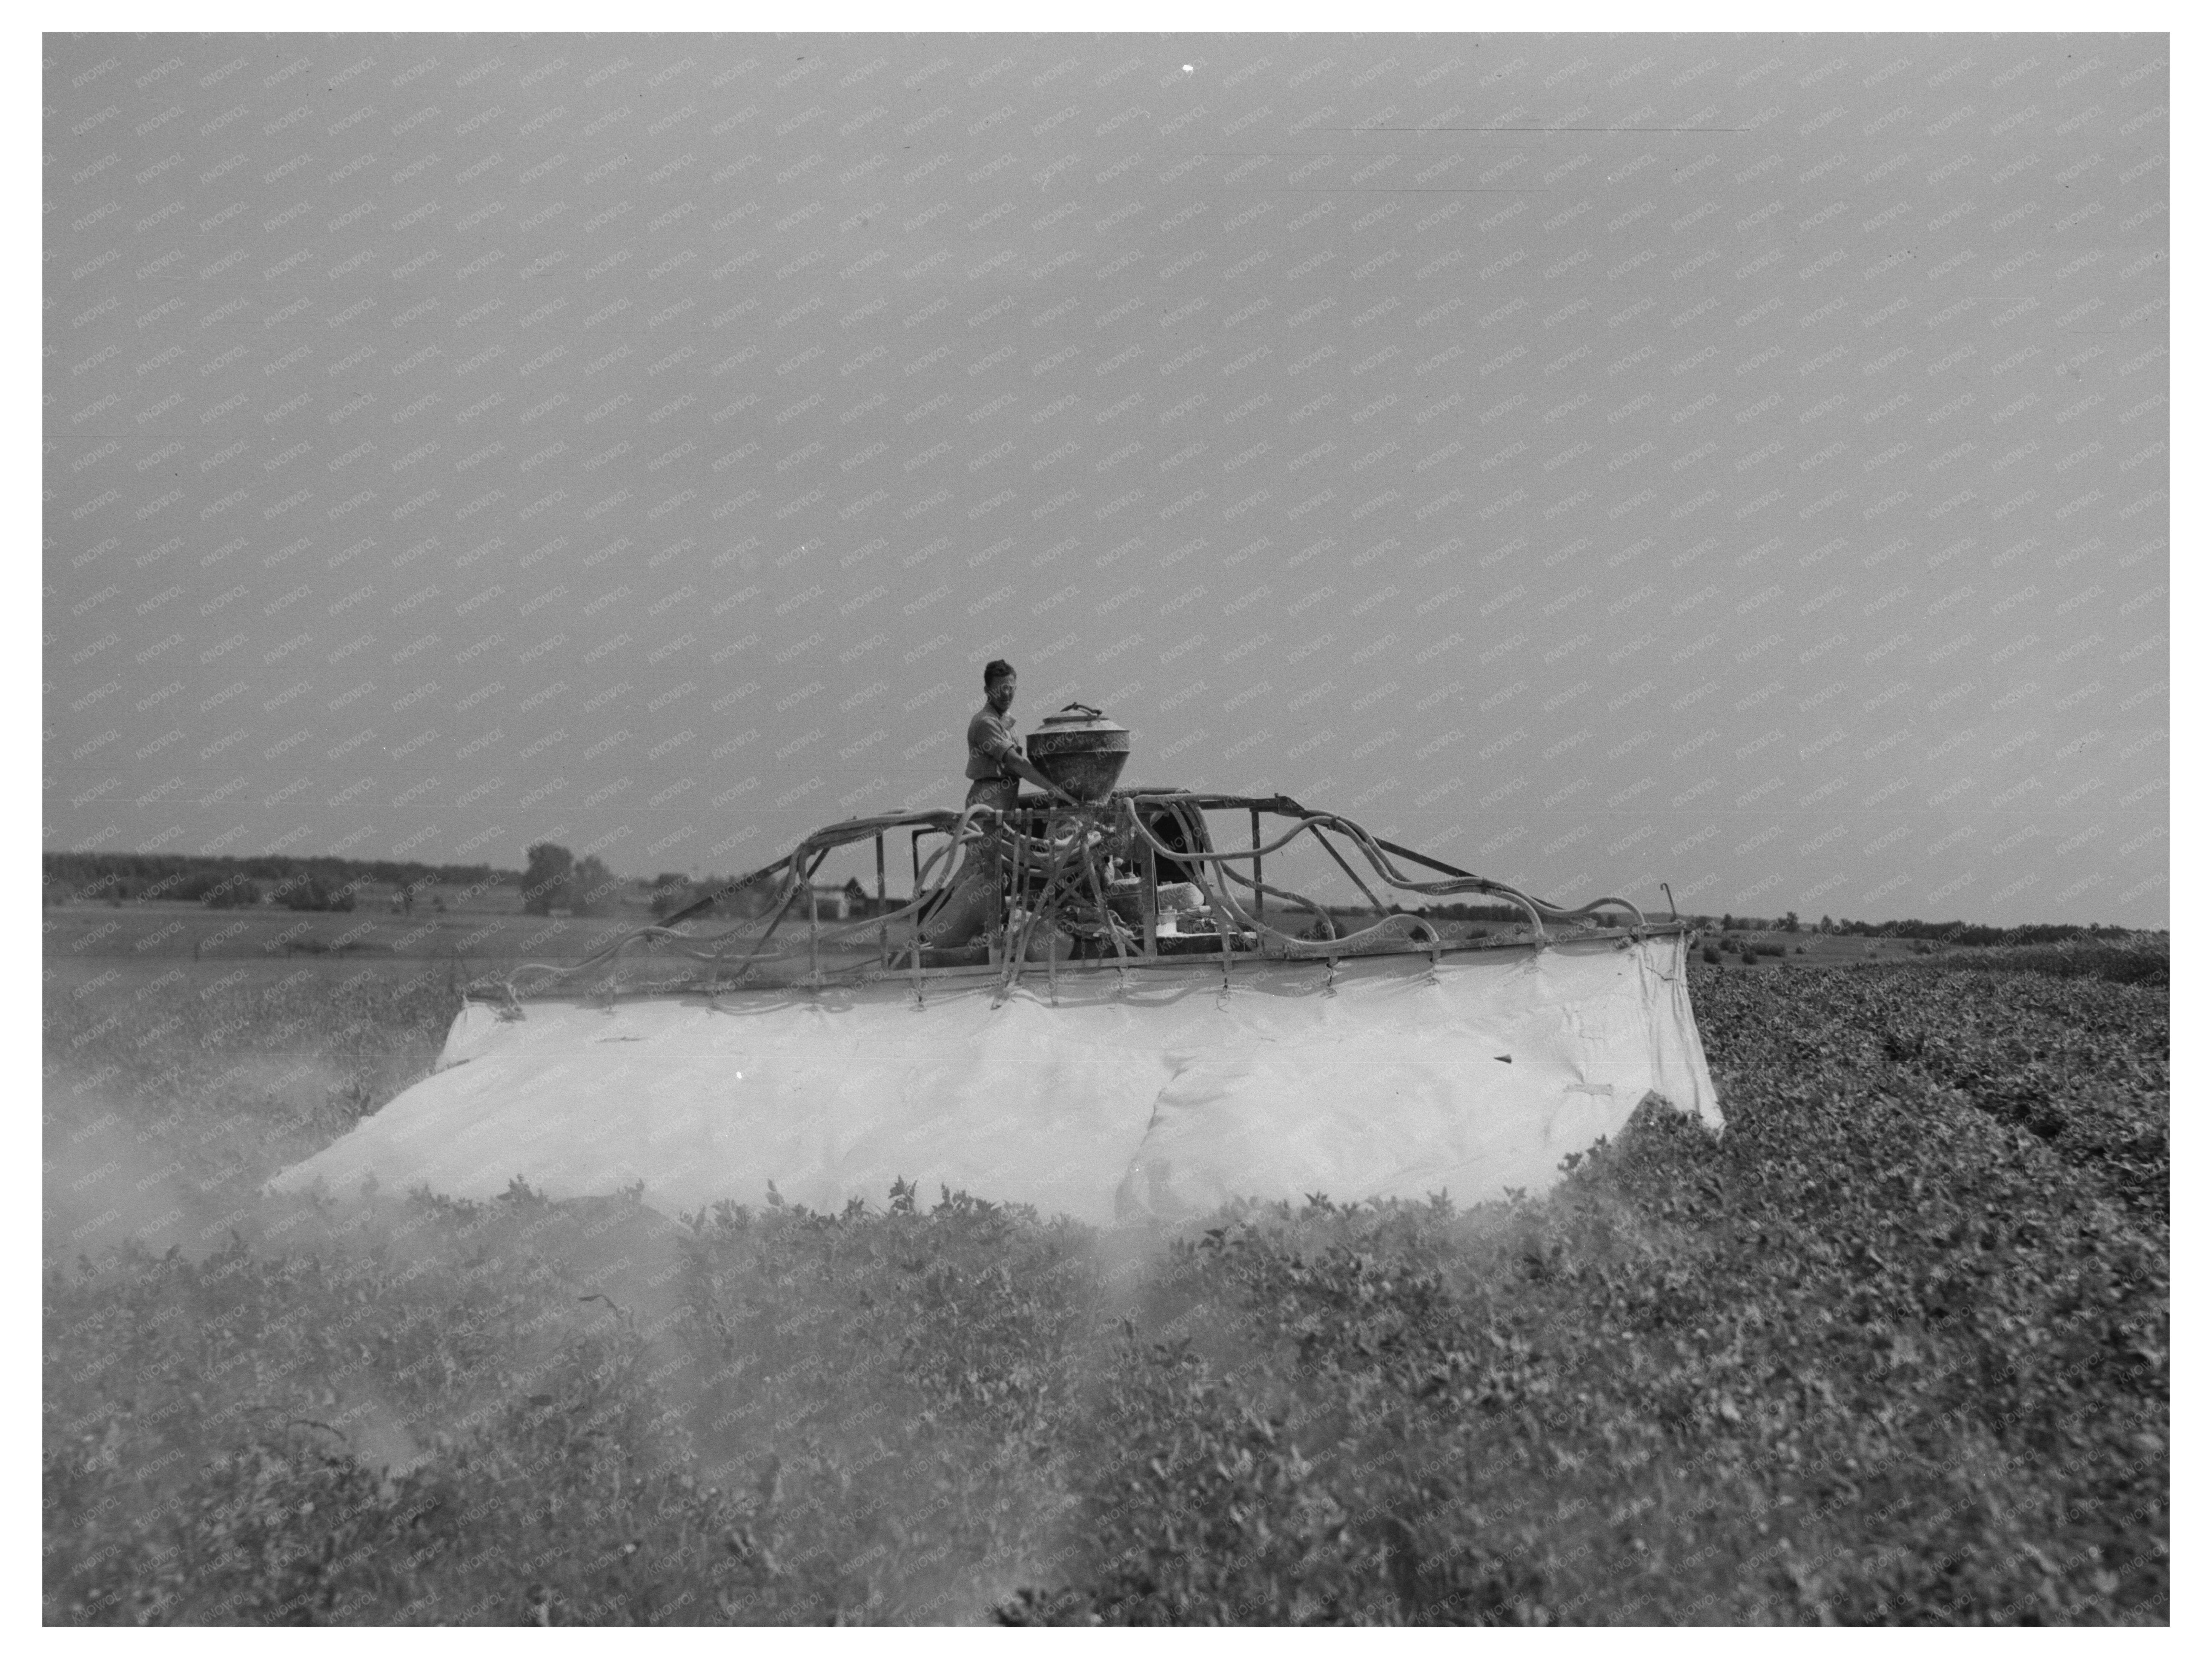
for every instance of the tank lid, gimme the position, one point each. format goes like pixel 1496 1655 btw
pixel 1079 717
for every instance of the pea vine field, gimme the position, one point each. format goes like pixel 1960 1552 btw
pixel 1892 1349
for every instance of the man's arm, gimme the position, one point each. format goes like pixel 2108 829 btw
pixel 1020 763
pixel 1011 759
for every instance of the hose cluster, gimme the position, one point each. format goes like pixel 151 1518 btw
pixel 1181 807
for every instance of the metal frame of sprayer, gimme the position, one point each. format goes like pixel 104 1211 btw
pixel 1059 888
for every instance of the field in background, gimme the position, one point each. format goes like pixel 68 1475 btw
pixel 1892 1350
pixel 138 932
pixel 491 924
pixel 490 929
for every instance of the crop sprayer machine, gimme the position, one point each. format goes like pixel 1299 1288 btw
pixel 1134 1022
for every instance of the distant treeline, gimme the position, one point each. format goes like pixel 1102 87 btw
pixel 1971 932
pixel 195 877
pixel 1948 933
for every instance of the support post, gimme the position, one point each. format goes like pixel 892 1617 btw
pixel 1222 924
pixel 1013 900
pixel 1258 893
pixel 813 932
pixel 1148 895
pixel 914 845
pixel 883 928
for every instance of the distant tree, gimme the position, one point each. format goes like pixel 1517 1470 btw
pixel 1790 922
pixel 231 893
pixel 1728 922
pixel 1827 924
pixel 591 884
pixel 312 893
pixel 545 881
pixel 856 898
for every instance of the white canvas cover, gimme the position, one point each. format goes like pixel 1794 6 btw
pixel 1164 1101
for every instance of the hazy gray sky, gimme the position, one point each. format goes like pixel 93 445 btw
pixel 1739 462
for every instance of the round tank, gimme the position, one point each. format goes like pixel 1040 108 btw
pixel 1081 751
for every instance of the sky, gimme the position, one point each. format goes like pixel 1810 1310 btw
pixel 1732 462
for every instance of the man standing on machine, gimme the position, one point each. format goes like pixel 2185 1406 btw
pixel 996 767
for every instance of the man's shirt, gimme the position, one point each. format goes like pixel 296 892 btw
pixel 991 742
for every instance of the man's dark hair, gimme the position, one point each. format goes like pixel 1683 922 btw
pixel 995 670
